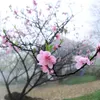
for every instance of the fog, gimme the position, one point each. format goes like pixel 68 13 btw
pixel 82 25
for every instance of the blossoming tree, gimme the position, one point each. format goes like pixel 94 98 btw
pixel 34 40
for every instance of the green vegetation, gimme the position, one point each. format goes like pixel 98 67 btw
pixel 79 79
pixel 92 96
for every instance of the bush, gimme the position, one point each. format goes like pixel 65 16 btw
pixel 98 74
pixel 79 79
pixel 91 70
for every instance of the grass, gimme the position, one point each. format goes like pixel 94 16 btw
pixel 92 96
pixel 79 79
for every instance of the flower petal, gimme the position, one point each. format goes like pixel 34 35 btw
pixel 45 69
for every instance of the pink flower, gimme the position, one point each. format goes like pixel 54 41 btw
pixel 58 36
pixel 34 2
pixel 55 47
pixel 4 40
pixel 16 48
pixel 8 44
pixel 29 11
pixel 51 71
pixel 54 28
pixel 98 55
pixel 10 48
pixel 46 70
pixel 81 61
pixel 88 51
pixel 92 62
pixel 80 52
pixel 46 59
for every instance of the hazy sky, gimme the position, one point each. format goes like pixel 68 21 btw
pixel 79 7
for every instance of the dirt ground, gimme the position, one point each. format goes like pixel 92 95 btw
pixel 59 92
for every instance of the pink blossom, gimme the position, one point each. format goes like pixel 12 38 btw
pixel 80 52
pixel 4 40
pixel 8 44
pixel 88 51
pixel 55 47
pixel 16 48
pixel 54 28
pixel 98 55
pixel 81 61
pixel 51 71
pixel 46 59
pixel 58 36
pixel 92 62
pixel 10 48
pixel 34 2
pixel 29 11
pixel 45 69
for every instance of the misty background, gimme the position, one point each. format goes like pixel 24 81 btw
pixel 84 25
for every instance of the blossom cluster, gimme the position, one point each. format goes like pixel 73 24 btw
pixel 5 42
pixel 46 60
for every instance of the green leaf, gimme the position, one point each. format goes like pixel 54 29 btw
pixel 61 41
pixel 15 26
pixel 4 31
pixel 49 47
pixel 65 30
pixel 90 56
pixel 34 50
pixel 16 43
pixel 46 47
